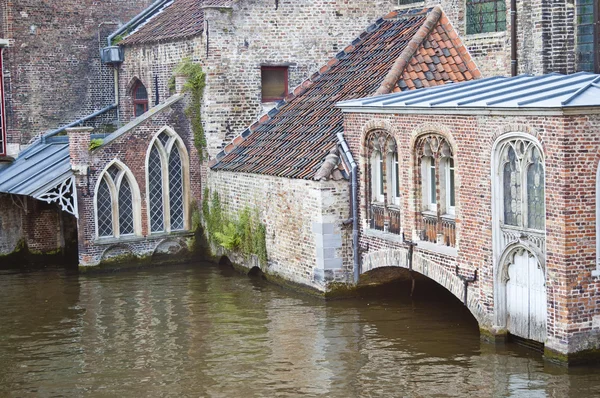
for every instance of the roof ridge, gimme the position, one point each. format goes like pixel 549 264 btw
pixel 409 51
pixel 306 84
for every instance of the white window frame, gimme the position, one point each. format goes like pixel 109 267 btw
pixel 164 151
pixel 377 177
pixel 450 186
pixel 394 178
pixel 113 188
pixel 427 166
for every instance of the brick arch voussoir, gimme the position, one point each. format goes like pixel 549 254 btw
pixel 375 125
pixel 433 128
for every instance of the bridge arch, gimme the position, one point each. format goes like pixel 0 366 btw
pixel 442 275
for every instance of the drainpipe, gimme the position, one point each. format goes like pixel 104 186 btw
pixel 513 38
pixel 466 282
pixel 78 122
pixel 354 177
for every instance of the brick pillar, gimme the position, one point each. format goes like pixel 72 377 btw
pixel 79 152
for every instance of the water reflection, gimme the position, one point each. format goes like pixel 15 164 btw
pixel 205 331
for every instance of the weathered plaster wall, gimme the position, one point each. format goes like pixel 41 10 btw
pixel 306 241
pixel 52 69
pixel 571 158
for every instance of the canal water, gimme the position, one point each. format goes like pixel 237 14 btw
pixel 204 331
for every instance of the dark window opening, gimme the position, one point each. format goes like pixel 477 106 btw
pixel 588 36
pixel 2 114
pixel 274 81
pixel 485 16
pixel 140 99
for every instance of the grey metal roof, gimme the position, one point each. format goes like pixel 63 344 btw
pixel 38 167
pixel 550 91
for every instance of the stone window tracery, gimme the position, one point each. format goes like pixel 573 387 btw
pixel 436 168
pixel 117 203
pixel 167 168
pixel 383 193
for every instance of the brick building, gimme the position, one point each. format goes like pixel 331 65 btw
pixel 490 189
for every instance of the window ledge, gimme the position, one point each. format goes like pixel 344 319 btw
pixel 375 233
pixel 596 273
pixel 486 35
pixel 409 5
pixel 139 238
pixel 435 248
pixel 449 217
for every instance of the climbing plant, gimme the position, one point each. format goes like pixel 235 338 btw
pixel 244 232
pixel 195 83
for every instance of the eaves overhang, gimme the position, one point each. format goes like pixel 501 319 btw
pixel 559 111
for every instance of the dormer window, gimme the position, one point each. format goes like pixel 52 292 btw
pixel 140 99
pixel 274 81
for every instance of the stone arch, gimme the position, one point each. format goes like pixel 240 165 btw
pixel 117 253
pixel 169 246
pixel 440 274
pixel 135 191
pixel 174 140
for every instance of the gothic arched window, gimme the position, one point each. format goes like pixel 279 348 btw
pixel 384 186
pixel 167 167
pixel 436 168
pixel 140 99
pixel 117 203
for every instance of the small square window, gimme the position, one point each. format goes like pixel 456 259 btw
pixel 274 80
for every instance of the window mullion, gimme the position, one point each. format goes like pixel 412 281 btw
pixel 166 201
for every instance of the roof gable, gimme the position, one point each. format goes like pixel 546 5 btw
pixel 293 139
pixel 175 20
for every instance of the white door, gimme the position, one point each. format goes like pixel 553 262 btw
pixel 526 298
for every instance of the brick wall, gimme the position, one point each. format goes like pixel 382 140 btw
pixel 293 212
pixel 53 74
pixel 571 153
pixel 130 149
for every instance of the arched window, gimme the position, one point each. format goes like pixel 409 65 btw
pixel 521 165
pixel 384 185
pixel 117 203
pixel 140 99
pixel 435 163
pixel 167 174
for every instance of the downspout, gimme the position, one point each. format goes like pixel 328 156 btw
pixel 513 38
pixel 354 178
pixel 116 77
pixel 466 282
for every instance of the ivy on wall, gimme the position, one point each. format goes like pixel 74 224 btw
pixel 243 232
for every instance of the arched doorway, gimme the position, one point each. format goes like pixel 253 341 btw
pixel 525 287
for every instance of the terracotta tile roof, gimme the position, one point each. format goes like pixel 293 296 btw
pixel 293 139
pixel 178 19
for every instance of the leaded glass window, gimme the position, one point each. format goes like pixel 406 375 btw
pixel 156 191
pixel 115 204
pixel 176 190
pixel 166 183
pixel 486 16
pixel 125 208
pixel 522 172
pixel 536 214
pixel 104 210
pixel 512 190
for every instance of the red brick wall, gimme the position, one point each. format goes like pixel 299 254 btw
pixel 571 148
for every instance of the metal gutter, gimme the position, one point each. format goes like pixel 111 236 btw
pixel 354 172
pixel 136 19
pixel 554 111
pixel 75 123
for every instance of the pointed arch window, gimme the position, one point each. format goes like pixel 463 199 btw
pixel 117 204
pixel 167 174
pixel 140 99
pixel 384 186
pixel 436 166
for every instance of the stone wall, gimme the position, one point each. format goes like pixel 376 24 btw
pixel 573 316
pixel 52 69
pixel 306 241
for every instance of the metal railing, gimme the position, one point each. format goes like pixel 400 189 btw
pixel 377 217
pixel 440 231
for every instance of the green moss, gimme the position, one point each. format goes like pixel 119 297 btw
pixel 195 84
pixel 585 357
pixel 96 143
pixel 493 337
pixel 23 257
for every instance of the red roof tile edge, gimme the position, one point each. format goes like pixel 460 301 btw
pixel 404 58
pixel 298 90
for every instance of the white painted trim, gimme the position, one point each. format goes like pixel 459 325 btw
pixel 499 252
pixel 114 195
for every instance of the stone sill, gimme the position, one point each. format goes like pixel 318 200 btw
pixel 438 249
pixel 375 233
pixel 410 5
pixel 138 238
pixel 490 36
